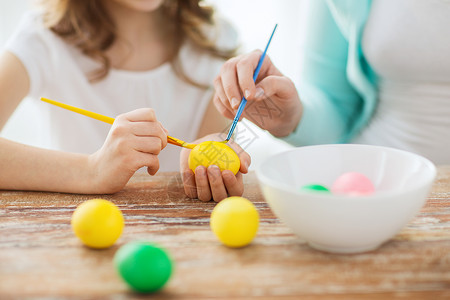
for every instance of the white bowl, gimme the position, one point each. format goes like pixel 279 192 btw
pixel 341 223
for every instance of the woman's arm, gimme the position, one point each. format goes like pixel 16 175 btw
pixel 330 102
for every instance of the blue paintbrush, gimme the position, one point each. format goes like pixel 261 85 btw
pixel 244 101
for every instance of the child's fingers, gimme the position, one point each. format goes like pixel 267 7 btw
pixel 187 174
pixel 141 115
pixel 166 132
pixel 148 144
pixel 146 128
pixel 234 184
pixel 246 160
pixel 244 157
pixel 148 160
pixel 190 189
pixel 163 128
pixel 216 183
pixel 150 129
pixel 201 181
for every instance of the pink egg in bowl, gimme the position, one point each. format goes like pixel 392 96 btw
pixel 339 222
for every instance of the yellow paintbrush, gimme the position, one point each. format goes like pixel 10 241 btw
pixel 109 120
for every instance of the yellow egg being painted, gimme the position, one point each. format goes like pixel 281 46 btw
pixel 214 153
pixel 98 223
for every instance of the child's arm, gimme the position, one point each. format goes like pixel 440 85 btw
pixel 14 85
pixel 134 141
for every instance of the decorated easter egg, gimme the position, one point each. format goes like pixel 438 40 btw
pixel 353 183
pixel 315 188
pixel 235 221
pixel 214 153
pixel 98 223
pixel 145 267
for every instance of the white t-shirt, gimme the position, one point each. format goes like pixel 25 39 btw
pixel 407 43
pixel 58 71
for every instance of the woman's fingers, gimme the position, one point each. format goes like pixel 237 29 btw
pixel 190 187
pixel 230 83
pixel 245 69
pixel 201 181
pixel 244 157
pixel 236 77
pixel 233 183
pixel 280 86
pixel 221 101
pixel 217 186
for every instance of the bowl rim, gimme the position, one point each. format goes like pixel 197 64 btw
pixel 262 178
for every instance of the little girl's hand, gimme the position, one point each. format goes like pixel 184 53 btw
pixel 134 141
pixel 210 183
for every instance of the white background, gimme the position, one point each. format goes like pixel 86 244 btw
pixel 253 19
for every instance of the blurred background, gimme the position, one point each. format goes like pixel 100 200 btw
pixel 253 20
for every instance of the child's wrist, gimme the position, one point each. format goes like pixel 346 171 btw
pixel 92 181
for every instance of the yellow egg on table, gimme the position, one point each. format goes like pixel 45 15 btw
pixel 235 221
pixel 98 223
pixel 214 153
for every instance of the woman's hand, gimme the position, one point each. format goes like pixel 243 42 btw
pixel 210 183
pixel 277 106
pixel 134 141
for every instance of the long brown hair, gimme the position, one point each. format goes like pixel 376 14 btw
pixel 77 21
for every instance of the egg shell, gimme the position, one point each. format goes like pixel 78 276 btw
pixel 353 183
pixel 214 153
pixel 98 223
pixel 235 221
pixel 145 267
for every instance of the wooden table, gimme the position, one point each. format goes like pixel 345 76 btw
pixel 41 258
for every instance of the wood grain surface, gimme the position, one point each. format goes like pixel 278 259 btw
pixel 41 258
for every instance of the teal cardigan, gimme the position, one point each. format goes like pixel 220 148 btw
pixel 337 87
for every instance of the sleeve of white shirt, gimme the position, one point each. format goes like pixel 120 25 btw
pixel 29 44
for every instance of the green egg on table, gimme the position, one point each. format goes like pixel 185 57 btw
pixel 144 266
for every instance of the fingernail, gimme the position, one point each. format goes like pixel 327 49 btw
pixel 259 92
pixel 214 168
pixel 227 174
pixel 247 93
pixel 200 170
pixel 234 102
pixel 214 173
